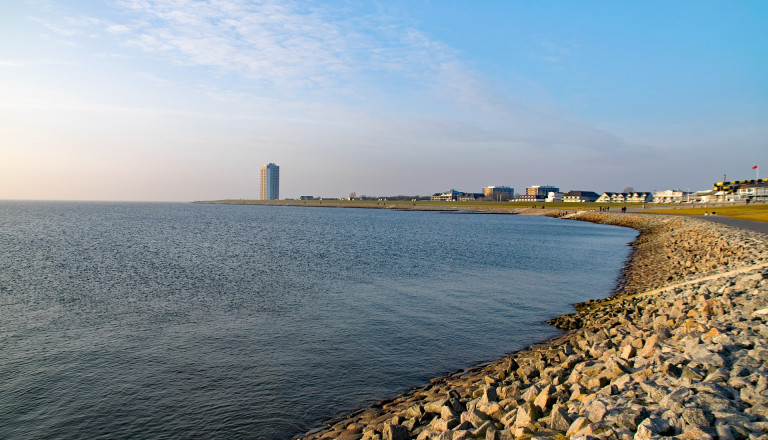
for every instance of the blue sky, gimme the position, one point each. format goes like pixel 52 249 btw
pixel 185 100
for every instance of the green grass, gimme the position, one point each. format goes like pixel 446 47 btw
pixel 421 203
pixel 757 213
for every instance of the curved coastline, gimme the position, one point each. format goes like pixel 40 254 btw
pixel 679 349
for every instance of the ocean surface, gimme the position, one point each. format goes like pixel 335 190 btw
pixel 184 321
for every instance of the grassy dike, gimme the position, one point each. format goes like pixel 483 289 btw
pixel 754 212
pixel 427 205
pixel 680 350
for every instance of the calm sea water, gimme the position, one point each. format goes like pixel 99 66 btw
pixel 177 321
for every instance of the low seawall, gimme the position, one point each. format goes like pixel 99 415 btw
pixel 679 350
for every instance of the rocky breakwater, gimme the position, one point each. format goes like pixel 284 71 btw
pixel 679 351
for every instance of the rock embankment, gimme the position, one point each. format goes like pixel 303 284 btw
pixel 679 351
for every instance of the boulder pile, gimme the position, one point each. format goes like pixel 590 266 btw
pixel 679 351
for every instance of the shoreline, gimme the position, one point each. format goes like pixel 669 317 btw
pixel 609 375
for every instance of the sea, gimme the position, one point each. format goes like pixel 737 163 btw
pixel 195 321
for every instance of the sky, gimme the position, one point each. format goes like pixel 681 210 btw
pixel 182 100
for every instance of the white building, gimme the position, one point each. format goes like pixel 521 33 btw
pixel 554 196
pixel 707 196
pixel 753 193
pixel 671 196
pixel 633 197
pixel 453 196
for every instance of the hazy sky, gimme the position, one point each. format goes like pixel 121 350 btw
pixel 186 99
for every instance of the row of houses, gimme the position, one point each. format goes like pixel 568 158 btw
pixel 507 194
pixel 456 196
pixel 633 197
pixel 743 190
pixel 756 193
pixel 752 190
pixel 553 194
pixel 557 196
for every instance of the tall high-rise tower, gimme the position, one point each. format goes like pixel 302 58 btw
pixel 270 182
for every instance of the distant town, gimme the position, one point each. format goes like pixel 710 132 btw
pixel 754 190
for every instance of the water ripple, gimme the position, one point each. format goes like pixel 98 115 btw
pixel 177 321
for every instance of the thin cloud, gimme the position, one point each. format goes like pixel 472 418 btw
pixel 299 45
pixel 273 41
pixel 117 29
pixel 69 26
pixel 288 44
pixel 12 63
pixel 282 42
pixel 56 28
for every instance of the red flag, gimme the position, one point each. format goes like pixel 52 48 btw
pixel 754 167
